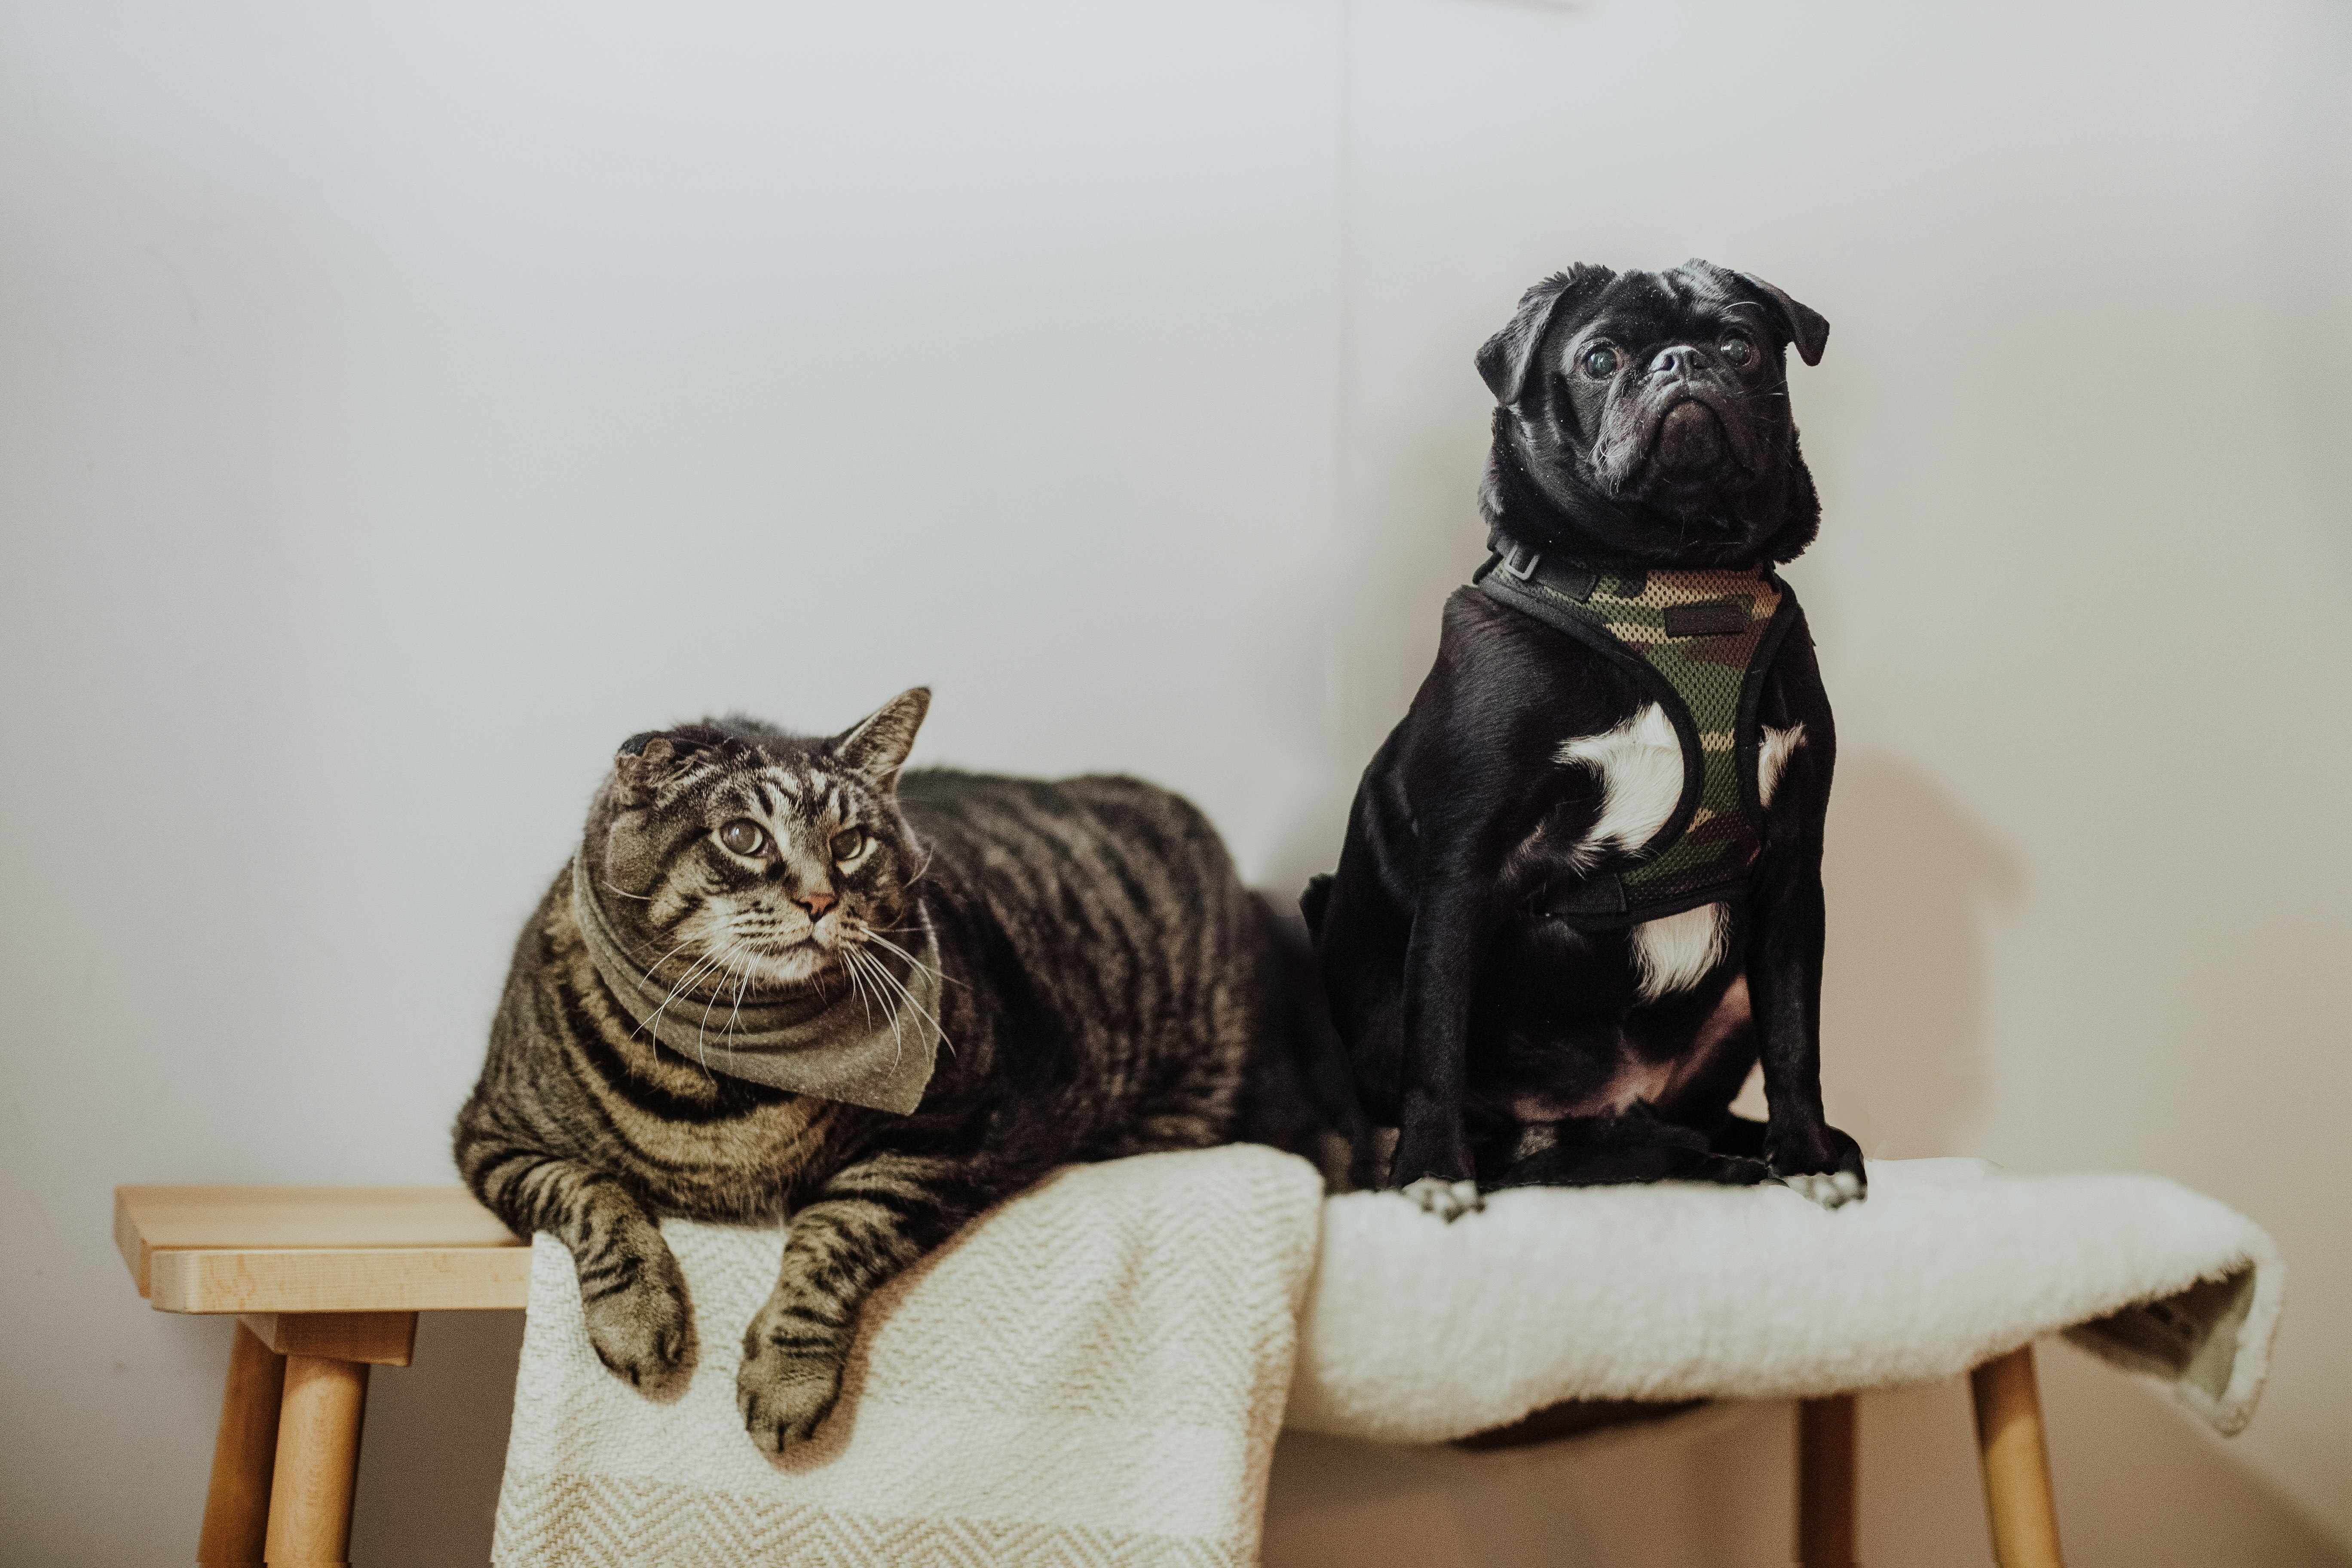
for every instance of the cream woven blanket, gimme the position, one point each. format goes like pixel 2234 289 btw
pixel 1093 1376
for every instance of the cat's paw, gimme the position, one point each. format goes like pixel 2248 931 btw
pixel 645 1331
pixel 783 1393
pixel 1446 1200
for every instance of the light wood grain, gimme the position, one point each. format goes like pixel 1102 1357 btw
pixel 152 1220
pixel 318 1463
pixel 236 1506
pixel 367 1279
pixel 379 1338
pixel 1825 1482
pixel 2019 1505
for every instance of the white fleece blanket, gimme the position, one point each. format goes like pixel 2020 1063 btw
pixel 1418 1331
pixel 1093 1375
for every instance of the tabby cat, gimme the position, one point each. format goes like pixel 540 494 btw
pixel 779 978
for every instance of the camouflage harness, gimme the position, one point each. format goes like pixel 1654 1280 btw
pixel 1700 641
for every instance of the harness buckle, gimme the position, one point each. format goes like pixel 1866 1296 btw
pixel 1511 562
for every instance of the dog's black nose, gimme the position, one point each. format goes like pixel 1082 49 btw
pixel 1680 359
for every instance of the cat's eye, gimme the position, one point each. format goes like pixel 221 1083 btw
pixel 847 844
pixel 743 835
pixel 1599 361
pixel 1737 349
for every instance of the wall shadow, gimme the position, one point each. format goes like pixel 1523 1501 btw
pixel 435 1444
pixel 2139 1483
pixel 2139 1486
pixel 1908 879
pixel 1710 1487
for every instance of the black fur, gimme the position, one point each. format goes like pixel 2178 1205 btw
pixel 1496 1038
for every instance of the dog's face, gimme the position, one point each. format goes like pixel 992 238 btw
pixel 1647 414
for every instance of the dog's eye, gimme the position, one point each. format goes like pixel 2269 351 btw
pixel 1599 362
pixel 743 835
pixel 1737 349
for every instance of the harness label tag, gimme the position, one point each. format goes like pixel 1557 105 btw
pixel 1714 618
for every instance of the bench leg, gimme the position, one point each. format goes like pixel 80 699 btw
pixel 1825 1512
pixel 318 1462
pixel 237 1505
pixel 2019 1503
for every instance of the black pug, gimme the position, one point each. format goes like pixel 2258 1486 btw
pixel 1581 892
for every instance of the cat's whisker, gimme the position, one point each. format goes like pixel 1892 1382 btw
pixel 740 986
pixel 898 1035
pixel 665 958
pixel 866 960
pixel 900 987
pixel 742 981
pixel 858 985
pixel 910 958
pixel 851 966
pixel 718 962
pixel 705 961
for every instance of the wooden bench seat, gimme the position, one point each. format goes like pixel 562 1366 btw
pixel 325 1282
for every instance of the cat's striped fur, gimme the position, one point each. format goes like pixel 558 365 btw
pixel 1110 989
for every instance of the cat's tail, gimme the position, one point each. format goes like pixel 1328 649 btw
pixel 1301 1093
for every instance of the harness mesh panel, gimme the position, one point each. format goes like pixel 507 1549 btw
pixel 1699 630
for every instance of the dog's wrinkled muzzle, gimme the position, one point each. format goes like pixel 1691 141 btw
pixel 1691 441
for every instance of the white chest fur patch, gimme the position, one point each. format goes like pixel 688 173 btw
pixel 1678 952
pixel 1772 758
pixel 1640 766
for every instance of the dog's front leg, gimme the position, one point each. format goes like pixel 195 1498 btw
pixel 1453 922
pixel 1784 980
pixel 1784 944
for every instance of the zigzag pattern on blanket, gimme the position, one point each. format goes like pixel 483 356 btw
pixel 597 1520
pixel 1092 1374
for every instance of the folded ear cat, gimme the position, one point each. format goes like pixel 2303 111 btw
pixel 780 976
pixel 1580 891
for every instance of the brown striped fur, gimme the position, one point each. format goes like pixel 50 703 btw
pixel 1110 989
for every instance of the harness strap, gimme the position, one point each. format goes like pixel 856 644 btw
pixel 1700 641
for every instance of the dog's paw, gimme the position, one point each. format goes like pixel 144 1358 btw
pixel 782 1393
pixel 1821 1163
pixel 1831 1189
pixel 1446 1200
pixel 645 1331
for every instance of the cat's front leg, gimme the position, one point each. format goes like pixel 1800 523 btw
pixel 869 1222
pixel 631 1291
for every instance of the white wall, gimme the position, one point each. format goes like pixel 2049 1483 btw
pixel 403 406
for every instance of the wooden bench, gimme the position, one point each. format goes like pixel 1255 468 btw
pixel 326 1282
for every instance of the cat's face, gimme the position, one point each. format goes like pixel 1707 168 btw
pixel 753 860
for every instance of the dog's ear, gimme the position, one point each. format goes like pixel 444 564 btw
pixel 1808 328
pixel 1805 326
pixel 1504 358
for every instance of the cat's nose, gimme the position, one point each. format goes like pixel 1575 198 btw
pixel 815 904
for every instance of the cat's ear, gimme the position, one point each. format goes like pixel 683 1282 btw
pixel 641 761
pixel 877 745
